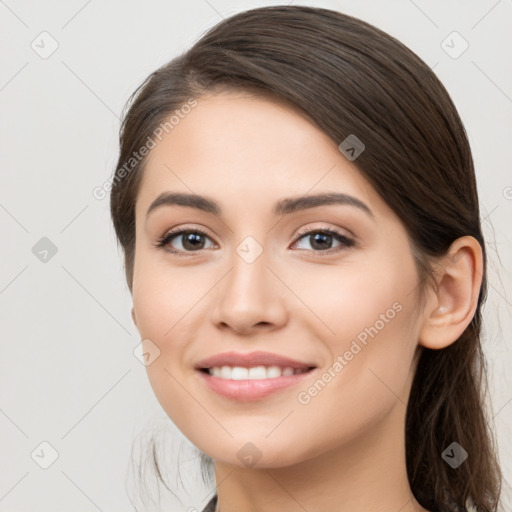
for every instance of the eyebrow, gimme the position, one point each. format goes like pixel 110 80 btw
pixel 283 207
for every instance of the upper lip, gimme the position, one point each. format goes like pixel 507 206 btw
pixel 250 359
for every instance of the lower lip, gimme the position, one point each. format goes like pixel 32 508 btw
pixel 251 389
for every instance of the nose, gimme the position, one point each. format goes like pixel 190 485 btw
pixel 250 298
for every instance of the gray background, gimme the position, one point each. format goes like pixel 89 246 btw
pixel 69 376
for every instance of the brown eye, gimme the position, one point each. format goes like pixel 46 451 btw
pixel 187 240
pixel 321 240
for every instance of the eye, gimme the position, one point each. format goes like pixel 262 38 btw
pixel 321 239
pixel 190 240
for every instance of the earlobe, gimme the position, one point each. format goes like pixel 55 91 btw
pixel 455 300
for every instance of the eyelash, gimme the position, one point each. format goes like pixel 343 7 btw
pixel 344 240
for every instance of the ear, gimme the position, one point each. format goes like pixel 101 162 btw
pixel 455 300
pixel 134 318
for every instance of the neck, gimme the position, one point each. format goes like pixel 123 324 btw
pixel 363 475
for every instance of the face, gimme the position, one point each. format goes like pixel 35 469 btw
pixel 331 286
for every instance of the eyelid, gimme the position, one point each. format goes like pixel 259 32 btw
pixel 185 228
pixel 330 229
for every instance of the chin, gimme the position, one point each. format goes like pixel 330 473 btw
pixel 258 454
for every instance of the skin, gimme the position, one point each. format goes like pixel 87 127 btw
pixel 345 449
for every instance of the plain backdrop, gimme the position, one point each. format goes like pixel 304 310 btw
pixel 74 397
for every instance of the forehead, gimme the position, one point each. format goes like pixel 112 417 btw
pixel 248 151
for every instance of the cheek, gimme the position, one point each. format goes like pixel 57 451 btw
pixel 343 300
pixel 170 306
pixel 165 316
pixel 162 295
pixel 368 328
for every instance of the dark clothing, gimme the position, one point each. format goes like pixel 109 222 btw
pixel 210 506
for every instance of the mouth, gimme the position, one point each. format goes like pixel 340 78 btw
pixel 252 376
pixel 236 363
pixel 260 372
pixel 253 381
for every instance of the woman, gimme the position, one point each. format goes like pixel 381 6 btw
pixel 296 201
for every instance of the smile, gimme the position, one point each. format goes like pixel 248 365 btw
pixel 255 383
pixel 253 373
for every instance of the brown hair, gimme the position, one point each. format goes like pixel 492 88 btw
pixel 351 78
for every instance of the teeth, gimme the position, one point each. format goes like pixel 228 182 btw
pixel 256 372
